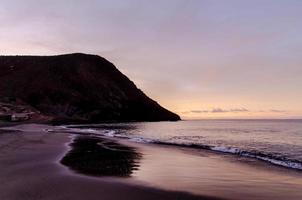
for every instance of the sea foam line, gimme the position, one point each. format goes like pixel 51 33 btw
pixel 293 164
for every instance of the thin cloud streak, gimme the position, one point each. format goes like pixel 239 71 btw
pixel 233 110
pixel 278 111
pixel 220 110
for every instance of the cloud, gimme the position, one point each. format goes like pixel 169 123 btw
pixel 219 110
pixel 199 111
pixel 239 110
pixel 233 110
pixel 277 111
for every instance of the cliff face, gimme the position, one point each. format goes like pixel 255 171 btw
pixel 77 87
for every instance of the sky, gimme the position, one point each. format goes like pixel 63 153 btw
pixel 198 58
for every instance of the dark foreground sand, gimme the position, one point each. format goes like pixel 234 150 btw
pixel 30 170
pixel 31 164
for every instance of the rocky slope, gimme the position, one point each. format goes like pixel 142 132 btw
pixel 76 88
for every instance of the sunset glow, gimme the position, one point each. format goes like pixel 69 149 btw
pixel 201 59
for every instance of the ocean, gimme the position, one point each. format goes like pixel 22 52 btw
pixel 277 142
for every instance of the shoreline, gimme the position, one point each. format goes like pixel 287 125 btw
pixel 287 164
pixel 269 157
pixel 213 173
pixel 188 173
pixel 30 169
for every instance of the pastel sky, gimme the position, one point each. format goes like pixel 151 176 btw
pixel 199 58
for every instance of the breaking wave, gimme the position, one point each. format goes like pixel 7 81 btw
pixel 266 157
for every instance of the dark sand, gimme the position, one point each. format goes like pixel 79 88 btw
pixel 32 167
pixel 31 170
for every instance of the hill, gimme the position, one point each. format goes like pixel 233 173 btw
pixel 76 88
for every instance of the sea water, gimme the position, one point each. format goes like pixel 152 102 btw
pixel 277 142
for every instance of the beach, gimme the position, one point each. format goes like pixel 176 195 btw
pixel 31 168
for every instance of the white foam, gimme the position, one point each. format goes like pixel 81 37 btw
pixel 109 133
pixel 226 149
pixel 223 149
pixel 140 140
pixel 284 163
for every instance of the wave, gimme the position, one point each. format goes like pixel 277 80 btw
pixel 266 157
pixel 270 158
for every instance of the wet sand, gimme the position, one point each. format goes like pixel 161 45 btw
pixel 31 170
pixel 32 167
pixel 215 174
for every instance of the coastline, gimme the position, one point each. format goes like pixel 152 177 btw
pixel 31 169
pixel 214 173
